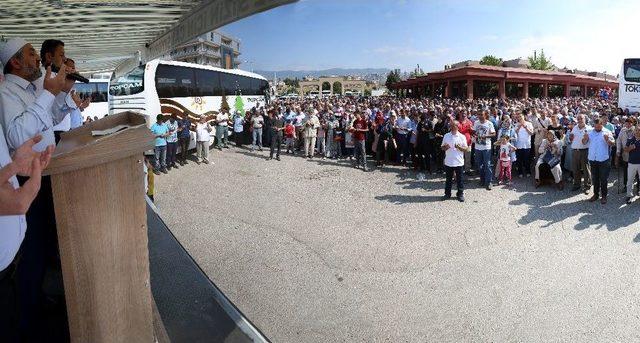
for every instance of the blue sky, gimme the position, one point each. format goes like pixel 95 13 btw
pixel 320 34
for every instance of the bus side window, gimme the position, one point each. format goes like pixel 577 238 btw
pixel 207 83
pixel 229 83
pixel 175 81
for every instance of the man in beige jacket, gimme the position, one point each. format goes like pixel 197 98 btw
pixel 310 133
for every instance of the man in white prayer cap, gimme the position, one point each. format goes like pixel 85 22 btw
pixel 26 112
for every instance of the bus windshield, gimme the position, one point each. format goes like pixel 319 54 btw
pixel 632 70
pixel 129 83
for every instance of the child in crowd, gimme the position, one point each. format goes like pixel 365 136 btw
pixel 290 136
pixel 504 159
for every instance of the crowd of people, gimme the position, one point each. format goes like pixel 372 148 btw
pixel 575 140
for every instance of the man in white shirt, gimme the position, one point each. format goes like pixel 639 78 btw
pixel 454 144
pixel 524 130
pixel 222 129
pixel 28 110
pixel 203 137
pixel 483 131
pixel 579 163
pixel 403 126
pixel 257 123
pixel 311 133
pixel 299 125
pixel 14 202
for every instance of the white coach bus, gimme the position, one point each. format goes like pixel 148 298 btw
pixel 186 89
pixel 629 88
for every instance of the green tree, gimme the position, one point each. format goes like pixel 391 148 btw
pixel 490 60
pixel 367 92
pixel 337 88
pixel 540 62
pixel 392 77
pixel 239 105
pixel 292 82
pixel 224 106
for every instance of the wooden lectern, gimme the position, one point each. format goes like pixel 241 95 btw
pixel 98 189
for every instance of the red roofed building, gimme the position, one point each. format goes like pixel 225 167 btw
pixel 481 81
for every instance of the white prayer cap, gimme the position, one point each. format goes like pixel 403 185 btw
pixel 10 48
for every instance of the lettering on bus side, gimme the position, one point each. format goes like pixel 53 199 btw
pixel 631 88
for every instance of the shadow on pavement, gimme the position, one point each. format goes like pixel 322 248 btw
pixel 546 207
pixel 545 203
pixel 404 199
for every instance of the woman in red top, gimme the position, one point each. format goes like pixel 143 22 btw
pixel 289 136
pixel 359 129
pixel 465 127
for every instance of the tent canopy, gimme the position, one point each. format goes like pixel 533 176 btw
pixel 99 35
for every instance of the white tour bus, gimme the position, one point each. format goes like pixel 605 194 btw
pixel 186 89
pixel 629 88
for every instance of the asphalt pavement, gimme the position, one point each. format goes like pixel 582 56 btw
pixel 318 251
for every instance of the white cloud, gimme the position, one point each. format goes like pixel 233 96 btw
pixel 596 42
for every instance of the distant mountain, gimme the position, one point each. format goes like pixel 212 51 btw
pixel 317 73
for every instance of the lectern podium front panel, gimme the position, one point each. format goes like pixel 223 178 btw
pixel 98 190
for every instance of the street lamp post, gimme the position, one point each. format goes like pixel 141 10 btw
pixel 250 63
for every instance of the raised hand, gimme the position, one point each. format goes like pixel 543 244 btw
pixel 17 201
pixel 24 156
pixel 85 103
pixel 76 98
pixel 54 84
pixel 68 83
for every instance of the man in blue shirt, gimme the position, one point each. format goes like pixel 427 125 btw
pixel 184 138
pixel 600 141
pixel 161 131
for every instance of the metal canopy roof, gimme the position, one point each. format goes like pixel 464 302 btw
pixel 99 35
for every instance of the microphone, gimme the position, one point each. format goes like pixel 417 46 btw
pixel 77 77
pixel 71 76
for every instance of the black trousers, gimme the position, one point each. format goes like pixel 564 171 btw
pixel 184 147
pixel 438 154
pixel 238 138
pixel 38 251
pixel 276 142
pixel 449 180
pixel 172 147
pixel 600 177
pixel 8 306
pixel 382 153
pixel 522 161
